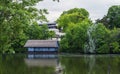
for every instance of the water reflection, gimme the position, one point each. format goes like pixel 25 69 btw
pixel 45 60
pixel 54 64
pixel 15 64
pixel 90 61
pixel 91 64
pixel 37 56
pixel 42 60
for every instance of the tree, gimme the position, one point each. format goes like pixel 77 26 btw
pixel 15 17
pixel 101 38
pixel 114 40
pixel 112 18
pixel 51 34
pixel 111 21
pixel 74 16
pixel 75 38
pixel 104 20
pixel 37 32
pixel 106 40
pixel 74 23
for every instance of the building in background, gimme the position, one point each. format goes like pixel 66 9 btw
pixel 53 27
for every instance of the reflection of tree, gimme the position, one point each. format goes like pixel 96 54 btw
pixel 74 65
pixel 91 64
pixel 90 61
pixel 14 64
pixel 114 63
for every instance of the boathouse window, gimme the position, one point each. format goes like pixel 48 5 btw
pixel 37 49
pixel 41 49
pixel 51 49
pixel 44 49
pixel 30 49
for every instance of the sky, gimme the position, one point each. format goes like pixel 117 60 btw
pixel 96 8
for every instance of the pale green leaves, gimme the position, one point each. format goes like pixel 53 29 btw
pixel 75 16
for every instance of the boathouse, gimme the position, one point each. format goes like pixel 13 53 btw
pixel 42 46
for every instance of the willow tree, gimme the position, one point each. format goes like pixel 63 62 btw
pixel 15 17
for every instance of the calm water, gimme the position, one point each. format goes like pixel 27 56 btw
pixel 50 64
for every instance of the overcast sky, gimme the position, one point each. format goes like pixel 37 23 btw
pixel 96 8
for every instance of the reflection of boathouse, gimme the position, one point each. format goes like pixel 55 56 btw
pixel 43 53
pixel 42 46
pixel 42 62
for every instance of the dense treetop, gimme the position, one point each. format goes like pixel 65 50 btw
pixel 74 15
pixel 112 18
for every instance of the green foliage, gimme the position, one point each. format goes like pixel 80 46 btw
pixel 36 32
pixel 116 47
pixel 106 41
pixel 111 21
pixel 103 21
pixel 115 35
pixel 100 36
pixel 75 16
pixel 51 34
pixel 75 38
pixel 79 11
pixel 112 18
pixel 39 32
pixel 115 40
pixel 104 48
pixel 15 18
pixel 74 23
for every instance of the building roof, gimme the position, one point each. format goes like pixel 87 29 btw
pixel 41 43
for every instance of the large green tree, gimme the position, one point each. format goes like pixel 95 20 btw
pixel 112 18
pixel 105 40
pixel 101 35
pixel 74 16
pixel 74 23
pixel 111 21
pixel 15 17
pixel 75 38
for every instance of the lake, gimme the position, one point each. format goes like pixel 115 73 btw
pixel 59 64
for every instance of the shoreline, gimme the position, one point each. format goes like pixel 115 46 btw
pixel 74 54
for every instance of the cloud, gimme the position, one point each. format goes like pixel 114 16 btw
pixel 96 8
